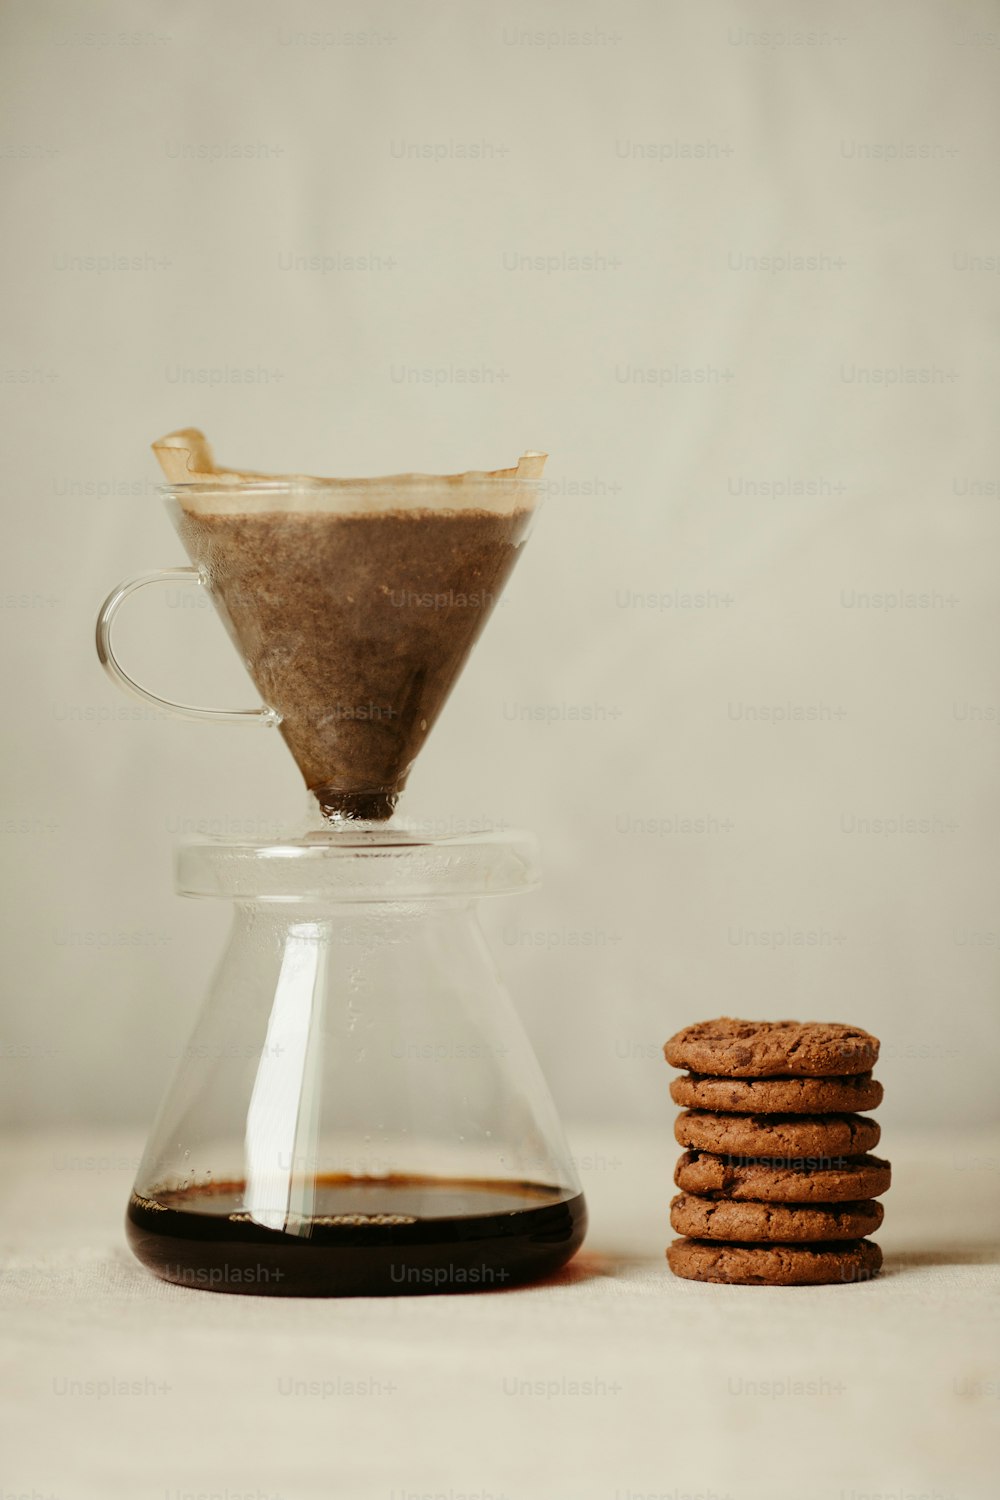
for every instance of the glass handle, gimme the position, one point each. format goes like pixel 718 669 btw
pixel 117 673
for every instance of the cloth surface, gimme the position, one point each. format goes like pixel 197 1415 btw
pixel 613 1380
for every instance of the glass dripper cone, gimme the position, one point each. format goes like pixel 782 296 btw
pixel 353 603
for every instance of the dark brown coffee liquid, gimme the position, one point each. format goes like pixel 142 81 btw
pixel 371 1237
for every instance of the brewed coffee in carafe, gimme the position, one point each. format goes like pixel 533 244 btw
pixel 358 1111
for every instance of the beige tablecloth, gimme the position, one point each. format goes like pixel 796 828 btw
pixel 613 1382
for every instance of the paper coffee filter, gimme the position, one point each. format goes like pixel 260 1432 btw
pixel 186 459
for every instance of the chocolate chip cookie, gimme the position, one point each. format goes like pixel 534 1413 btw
pixel 776 1135
pixel 785 1096
pixel 775 1265
pixel 763 1049
pixel 725 1219
pixel 797 1180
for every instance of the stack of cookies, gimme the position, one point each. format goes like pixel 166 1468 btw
pixel 777 1186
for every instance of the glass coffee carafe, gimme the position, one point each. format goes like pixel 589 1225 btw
pixel 358 1110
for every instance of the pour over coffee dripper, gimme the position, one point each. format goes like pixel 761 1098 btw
pixel 359 1110
pixel 354 604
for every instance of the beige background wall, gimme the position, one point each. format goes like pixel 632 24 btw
pixel 771 461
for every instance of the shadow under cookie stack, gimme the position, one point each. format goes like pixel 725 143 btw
pixel 777 1186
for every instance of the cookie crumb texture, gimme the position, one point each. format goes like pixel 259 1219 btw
pixel 775 1265
pixel 732 1048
